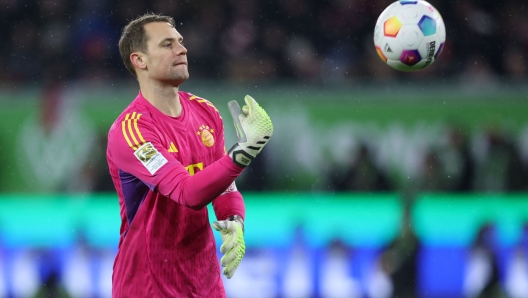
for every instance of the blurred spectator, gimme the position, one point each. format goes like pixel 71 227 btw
pixel 50 273
pixel 433 176
pixel 515 64
pixel 4 169
pixel 461 162
pixel 478 74
pixel 51 287
pixel 335 272
pixel 362 175
pixel 502 168
pixel 94 175
pixel 22 65
pixel 482 275
pixel 302 59
pixel 516 279
pixel 399 258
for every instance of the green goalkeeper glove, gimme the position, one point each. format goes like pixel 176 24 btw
pixel 233 246
pixel 253 130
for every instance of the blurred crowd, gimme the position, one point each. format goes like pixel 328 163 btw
pixel 238 40
pixel 490 161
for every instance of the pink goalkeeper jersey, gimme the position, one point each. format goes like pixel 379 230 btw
pixel 166 170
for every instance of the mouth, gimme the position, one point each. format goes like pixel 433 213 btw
pixel 180 63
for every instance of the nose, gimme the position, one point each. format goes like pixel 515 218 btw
pixel 180 49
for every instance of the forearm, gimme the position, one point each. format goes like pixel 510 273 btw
pixel 202 188
pixel 229 204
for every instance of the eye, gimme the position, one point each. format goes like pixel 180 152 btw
pixel 168 45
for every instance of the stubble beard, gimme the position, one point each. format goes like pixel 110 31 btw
pixel 176 78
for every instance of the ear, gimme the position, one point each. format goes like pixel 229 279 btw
pixel 139 60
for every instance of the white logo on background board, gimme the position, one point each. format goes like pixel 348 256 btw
pixel 150 157
pixel 50 156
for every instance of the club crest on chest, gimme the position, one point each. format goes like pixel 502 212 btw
pixel 206 134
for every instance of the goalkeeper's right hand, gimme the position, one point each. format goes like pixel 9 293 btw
pixel 253 130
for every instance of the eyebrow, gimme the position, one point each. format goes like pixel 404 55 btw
pixel 170 39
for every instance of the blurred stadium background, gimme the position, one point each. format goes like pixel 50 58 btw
pixel 377 183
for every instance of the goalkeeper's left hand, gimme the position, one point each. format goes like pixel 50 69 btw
pixel 233 246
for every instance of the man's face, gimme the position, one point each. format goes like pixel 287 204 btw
pixel 167 57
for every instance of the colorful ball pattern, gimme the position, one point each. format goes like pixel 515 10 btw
pixel 409 35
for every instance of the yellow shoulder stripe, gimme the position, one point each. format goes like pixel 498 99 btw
pixel 202 100
pixel 211 105
pixel 128 131
pixel 137 129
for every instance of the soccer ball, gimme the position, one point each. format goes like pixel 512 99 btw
pixel 409 35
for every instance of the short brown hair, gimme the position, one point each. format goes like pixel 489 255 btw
pixel 133 38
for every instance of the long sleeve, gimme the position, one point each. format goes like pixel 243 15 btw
pixel 137 149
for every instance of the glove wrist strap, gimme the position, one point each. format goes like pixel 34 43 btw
pixel 238 219
pixel 240 157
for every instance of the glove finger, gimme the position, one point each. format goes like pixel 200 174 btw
pixel 231 267
pixel 242 116
pixel 225 229
pixel 245 109
pixel 228 272
pixel 228 258
pixel 219 225
pixel 229 242
pixel 251 103
pixel 235 253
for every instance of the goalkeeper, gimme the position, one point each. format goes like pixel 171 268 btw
pixel 167 159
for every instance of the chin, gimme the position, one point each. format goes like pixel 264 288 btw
pixel 180 80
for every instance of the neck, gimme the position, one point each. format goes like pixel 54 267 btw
pixel 164 97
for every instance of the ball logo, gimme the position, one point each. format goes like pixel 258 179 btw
pixel 431 46
pixel 206 134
